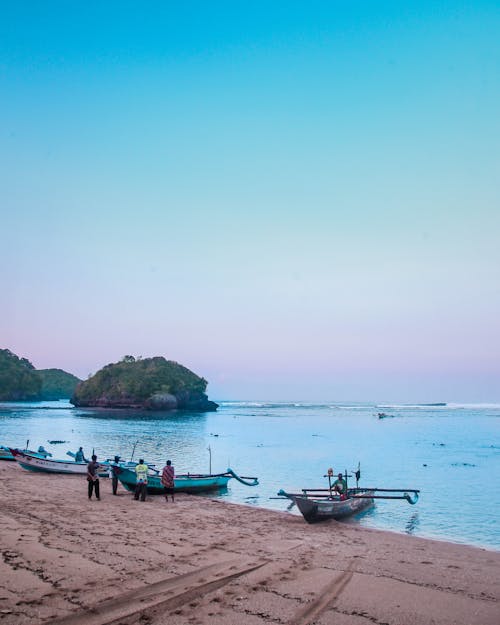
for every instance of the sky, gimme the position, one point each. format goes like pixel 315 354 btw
pixel 296 200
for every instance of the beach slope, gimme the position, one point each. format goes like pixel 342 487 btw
pixel 70 561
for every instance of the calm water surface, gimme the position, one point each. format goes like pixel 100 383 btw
pixel 451 453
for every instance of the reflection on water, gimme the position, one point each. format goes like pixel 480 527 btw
pixel 412 524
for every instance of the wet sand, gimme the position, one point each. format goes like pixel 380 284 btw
pixel 70 561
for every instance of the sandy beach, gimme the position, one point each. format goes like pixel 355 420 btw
pixel 67 561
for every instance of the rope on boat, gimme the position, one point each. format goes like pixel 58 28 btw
pixel 254 481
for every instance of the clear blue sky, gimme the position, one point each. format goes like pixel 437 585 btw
pixel 296 200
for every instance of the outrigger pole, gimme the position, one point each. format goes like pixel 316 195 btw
pixel 133 451
pixel 319 493
pixel 411 500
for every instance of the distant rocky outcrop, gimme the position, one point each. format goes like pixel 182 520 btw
pixel 149 383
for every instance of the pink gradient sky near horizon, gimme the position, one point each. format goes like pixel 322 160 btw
pixel 296 207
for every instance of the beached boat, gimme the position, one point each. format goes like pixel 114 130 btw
pixel 186 483
pixel 320 504
pixel 6 453
pixel 33 462
pixel 315 507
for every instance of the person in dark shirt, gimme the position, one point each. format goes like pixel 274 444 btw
pixel 114 474
pixel 93 477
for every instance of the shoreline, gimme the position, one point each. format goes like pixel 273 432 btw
pixel 70 561
pixel 249 439
pixel 369 528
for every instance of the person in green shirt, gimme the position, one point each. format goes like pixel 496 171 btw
pixel 141 480
pixel 340 486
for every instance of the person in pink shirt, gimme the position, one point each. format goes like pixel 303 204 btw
pixel 167 479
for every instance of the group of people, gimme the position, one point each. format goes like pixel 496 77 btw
pixel 141 473
pixel 141 476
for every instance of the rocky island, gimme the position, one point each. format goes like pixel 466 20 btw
pixel 149 383
pixel 20 381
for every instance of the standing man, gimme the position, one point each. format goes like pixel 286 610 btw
pixel 80 456
pixel 93 477
pixel 167 479
pixel 141 480
pixel 114 474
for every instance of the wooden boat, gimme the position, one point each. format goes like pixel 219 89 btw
pixel 186 483
pixel 6 453
pixel 320 504
pixel 315 507
pixel 33 462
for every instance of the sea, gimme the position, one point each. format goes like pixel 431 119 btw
pixel 450 452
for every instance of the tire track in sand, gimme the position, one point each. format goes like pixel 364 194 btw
pixel 168 593
pixel 327 596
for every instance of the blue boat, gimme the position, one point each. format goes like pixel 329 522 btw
pixel 186 483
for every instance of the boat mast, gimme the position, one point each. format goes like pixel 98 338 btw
pixel 330 474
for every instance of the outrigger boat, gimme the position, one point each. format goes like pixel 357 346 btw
pixel 33 462
pixel 320 504
pixel 186 483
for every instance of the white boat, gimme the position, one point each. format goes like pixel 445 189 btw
pixel 31 462
pixel 6 453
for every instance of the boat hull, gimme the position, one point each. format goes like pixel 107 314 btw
pixel 317 510
pixel 5 453
pixel 182 483
pixel 34 463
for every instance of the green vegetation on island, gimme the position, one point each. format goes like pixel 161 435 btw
pixel 150 383
pixel 57 384
pixel 20 381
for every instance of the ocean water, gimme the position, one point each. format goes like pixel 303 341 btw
pixel 451 453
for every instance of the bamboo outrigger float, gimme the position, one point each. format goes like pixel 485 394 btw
pixel 320 504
